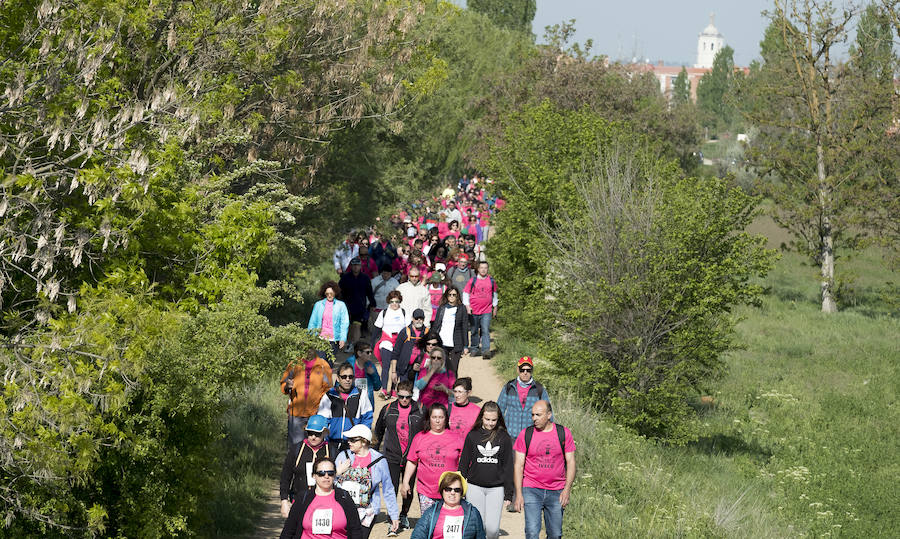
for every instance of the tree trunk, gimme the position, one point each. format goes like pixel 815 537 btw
pixel 828 303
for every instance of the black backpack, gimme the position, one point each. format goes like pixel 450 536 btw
pixel 560 433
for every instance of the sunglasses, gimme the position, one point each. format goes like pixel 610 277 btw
pixel 323 473
pixel 365 352
pixel 399 396
pixel 310 434
pixel 437 357
pixel 431 344
pixel 346 377
pixel 456 490
pixel 525 370
pixel 394 301
pixel 357 439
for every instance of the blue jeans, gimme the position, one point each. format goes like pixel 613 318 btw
pixel 538 501
pixel 481 332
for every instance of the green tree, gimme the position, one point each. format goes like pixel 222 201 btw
pixel 630 267
pixel 150 158
pixel 681 89
pixel 818 123
pixel 712 90
pixel 513 14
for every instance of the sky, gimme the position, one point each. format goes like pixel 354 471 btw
pixel 657 29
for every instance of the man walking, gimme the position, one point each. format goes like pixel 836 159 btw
pixel 544 472
pixel 356 288
pixel 415 295
pixel 518 396
pixel 480 298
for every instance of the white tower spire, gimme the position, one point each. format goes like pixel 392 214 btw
pixel 708 44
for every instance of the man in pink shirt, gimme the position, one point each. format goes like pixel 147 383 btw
pixel 544 472
pixel 480 298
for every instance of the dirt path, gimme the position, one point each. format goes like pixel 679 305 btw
pixel 486 386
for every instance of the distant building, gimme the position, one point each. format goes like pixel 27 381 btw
pixel 709 42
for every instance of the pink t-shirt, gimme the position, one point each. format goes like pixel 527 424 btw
pixel 544 464
pixel 523 392
pixel 431 395
pixel 449 523
pixel 403 426
pixel 324 518
pixel 327 325
pixel 462 418
pixel 362 462
pixel 434 454
pixel 481 294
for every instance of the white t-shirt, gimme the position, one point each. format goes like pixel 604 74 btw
pixel 447 325
pixel 392 320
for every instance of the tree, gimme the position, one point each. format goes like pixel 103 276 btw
pixel 681 89
pixel 816 125
pixel 151 156
pixel 513 14
pixel 714 87
pixel 631 269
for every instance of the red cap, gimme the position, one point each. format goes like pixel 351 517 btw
pixel 526 360
pixel 463 256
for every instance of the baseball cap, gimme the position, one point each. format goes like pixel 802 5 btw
pixel 359 431
pixel 419 313
pixel 440 266
pixel 526 360
pixel 355 260
pixel 317 423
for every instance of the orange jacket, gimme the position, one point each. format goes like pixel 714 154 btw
pixel 308 387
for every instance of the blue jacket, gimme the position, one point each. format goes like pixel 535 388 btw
pixel 343 414
pixel 381 475
pixel 473 526
pixel 340 319
pixel 517 417
pixel 373 381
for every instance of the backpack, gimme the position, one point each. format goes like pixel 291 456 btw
pixel 471 284
pixel 358 482
pixel 560 432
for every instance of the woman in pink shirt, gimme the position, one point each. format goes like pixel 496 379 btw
pixel 435 381
pixel 324 511
pixel 433 451
pixel 452 517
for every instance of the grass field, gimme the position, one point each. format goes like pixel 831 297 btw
pixel 800 438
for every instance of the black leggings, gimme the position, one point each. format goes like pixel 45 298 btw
pixel 453 360
pixel 397 476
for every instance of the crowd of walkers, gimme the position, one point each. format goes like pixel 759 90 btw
pixel 407 311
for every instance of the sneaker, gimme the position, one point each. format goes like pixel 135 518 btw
pixel 392 533
pixel 475 352
pixel 404 523
pixel 486 357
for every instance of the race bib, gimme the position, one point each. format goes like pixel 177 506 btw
pixel 321 521
pixel 309 475
pixel 362 385
pixel 354 489
pixel 453 527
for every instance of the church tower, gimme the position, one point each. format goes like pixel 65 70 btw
pixel 708 44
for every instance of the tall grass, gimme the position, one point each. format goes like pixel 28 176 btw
pixel 800 438
pixel 248 457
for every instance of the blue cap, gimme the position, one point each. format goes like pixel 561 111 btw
pixel 317 423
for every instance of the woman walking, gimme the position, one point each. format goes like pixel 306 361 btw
pixel 433 452
pixel 324 511
pixel 364 473
pixel 451 322
pixel 452 516
pixel 487 463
